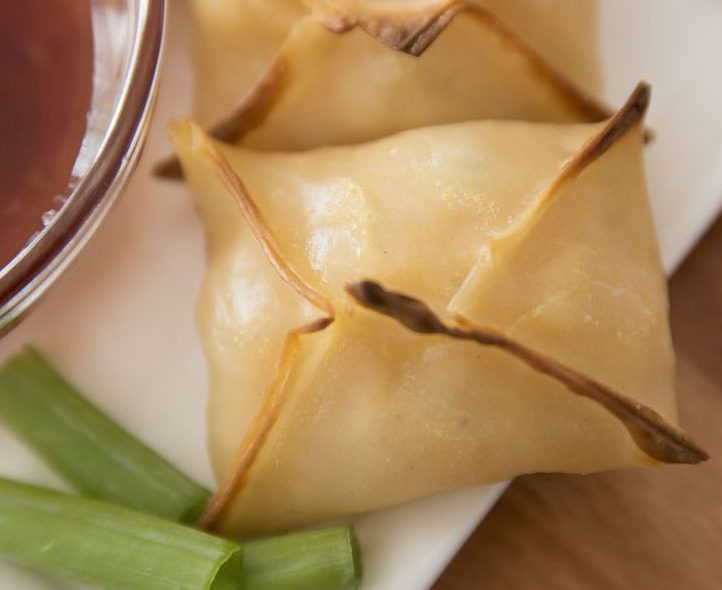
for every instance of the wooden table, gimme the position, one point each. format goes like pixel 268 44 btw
pixel 656 529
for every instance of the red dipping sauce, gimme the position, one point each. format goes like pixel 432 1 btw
pixel 46 70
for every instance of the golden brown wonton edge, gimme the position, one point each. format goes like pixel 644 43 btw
pixel 653 435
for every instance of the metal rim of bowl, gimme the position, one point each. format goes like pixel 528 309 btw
pixel 36 268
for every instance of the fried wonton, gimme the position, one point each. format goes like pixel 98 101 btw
pixel 236 40
pixel 448 306
pixel 357 70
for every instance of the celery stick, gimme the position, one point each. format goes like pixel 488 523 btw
pixel 116 548
pixel 90 451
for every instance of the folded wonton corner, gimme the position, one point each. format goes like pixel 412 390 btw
pixel 548 347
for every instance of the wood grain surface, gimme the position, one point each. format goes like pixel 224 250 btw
pixel 642 529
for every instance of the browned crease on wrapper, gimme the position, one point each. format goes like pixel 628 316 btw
pixel 657 438
pixel 407 28
pixel 412 28
pixel 262 424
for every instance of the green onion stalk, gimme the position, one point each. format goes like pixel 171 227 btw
pixel 95 455
pixel 134 541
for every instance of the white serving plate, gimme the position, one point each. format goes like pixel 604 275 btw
pixel 120 323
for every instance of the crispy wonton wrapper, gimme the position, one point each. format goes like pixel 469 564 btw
pixel 236 41
pixel 548 347
pixel 357 71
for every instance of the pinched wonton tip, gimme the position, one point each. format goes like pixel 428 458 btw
pixel 354 72
pixel 547 243
pixel 650 431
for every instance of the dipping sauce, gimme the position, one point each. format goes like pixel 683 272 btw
pixel 46 70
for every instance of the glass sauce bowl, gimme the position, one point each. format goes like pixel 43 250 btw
pixel 127 48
